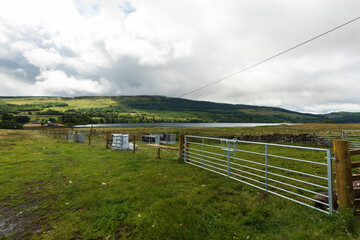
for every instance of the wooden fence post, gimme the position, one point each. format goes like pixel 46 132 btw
pixel 134 143
pixel 89 138
pixel 107 139
pixel 181 146
pixel 343 171
pixel 159 152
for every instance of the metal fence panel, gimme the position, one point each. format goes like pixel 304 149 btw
pixel 168 138
pixel 292 172
pixel 153 138
pixel 80 138
pixel 328 139
pixel 73 136
pixel 353 136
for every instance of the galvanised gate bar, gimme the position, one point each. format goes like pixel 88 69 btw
pixel 292 172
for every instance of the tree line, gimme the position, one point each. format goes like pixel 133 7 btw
pixel 9 121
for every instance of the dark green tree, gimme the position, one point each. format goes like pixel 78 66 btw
pixel 22 119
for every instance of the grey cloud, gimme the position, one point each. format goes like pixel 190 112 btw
pixel 152 48
pixel 10 66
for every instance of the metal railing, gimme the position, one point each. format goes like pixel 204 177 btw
pixel 292 172
pixel 329 138
pixel 353 136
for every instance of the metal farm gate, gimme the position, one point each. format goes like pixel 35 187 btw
pixel 353 136
pixel 292 172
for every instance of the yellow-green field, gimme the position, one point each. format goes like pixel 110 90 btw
pixel 97 102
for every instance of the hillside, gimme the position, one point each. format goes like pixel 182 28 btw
pixel 136 109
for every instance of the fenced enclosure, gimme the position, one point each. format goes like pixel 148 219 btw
pixel 74 136
pixel 292 172
pixel 152 139
pixel 353 136
pixel 159 138
pixel 168 138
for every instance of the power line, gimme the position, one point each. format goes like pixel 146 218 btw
pixel 270 58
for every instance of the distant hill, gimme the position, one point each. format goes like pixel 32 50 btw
pixel 135 109
pixel 344 117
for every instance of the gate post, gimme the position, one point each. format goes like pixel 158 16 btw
pixel 181 146
pixel 107 139
pixel 330 181
pixel 343 171
pixel 134 145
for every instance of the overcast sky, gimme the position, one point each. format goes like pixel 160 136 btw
pixel 170 47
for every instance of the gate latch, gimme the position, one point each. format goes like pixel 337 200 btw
pixel 228 145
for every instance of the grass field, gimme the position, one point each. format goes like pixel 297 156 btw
pixel 53 189
pixel 135 109
pixel 309 128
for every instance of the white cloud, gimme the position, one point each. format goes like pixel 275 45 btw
pixel 69 47
pixel 332 107
pixel 43 58
pixel 58 83
pixel 49 83
pixel 12 86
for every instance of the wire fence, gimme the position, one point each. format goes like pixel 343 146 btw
pixel 296 173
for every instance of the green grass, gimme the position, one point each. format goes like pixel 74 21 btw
pixel 52 189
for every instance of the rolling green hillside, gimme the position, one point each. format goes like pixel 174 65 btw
pixel 136 109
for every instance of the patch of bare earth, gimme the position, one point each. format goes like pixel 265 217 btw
pixel 14 223
pixel 25 220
